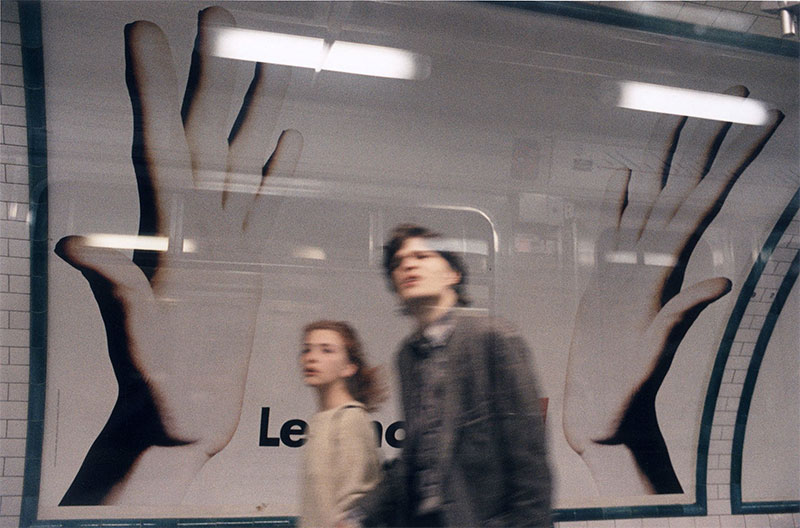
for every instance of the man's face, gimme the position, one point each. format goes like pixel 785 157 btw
pixel 421 273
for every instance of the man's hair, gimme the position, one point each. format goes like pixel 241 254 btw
pixel 403 232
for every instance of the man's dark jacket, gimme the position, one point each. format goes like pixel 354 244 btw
pixel 493 457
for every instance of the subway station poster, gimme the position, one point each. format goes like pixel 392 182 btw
pixel 205 203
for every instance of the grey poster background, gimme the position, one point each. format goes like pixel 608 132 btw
pixel 508 145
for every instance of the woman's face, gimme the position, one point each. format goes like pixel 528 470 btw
pixel 324 360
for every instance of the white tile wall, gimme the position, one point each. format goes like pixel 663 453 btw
pixel 14 269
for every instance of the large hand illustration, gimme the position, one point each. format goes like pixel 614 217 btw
pixel 180 322
pixel 636 310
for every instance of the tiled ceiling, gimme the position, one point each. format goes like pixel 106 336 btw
pixel 743 16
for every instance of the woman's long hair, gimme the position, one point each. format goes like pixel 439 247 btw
pixel 366 385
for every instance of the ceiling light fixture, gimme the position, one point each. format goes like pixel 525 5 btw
pixel 141 242
pixel 692 103
pixel 149 243
pixel 319 54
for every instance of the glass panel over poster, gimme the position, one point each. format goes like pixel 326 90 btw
pixel 204 207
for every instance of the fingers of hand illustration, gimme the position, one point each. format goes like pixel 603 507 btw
pixel 693 157
pixel 735 155
pixel 199 179
pixel 701 143
pixel 647 178
pixel 253 134
pixel 615 197
pixel 160 153
pixel 282 163
pixel 682 310
pixel 208 100
pixel 252 140
pixel 103 267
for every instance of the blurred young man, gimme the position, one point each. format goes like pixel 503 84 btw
pixel 474 453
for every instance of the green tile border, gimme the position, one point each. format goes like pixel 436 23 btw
pixel 738 506
pixel 33 83
pixel 628 512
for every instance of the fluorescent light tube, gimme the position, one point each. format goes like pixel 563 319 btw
pixel 621 257
pixel 151 243
pixel 309 252
pixel 377 61
pixel 660 259
pixel 311 52
pixel 692 103
pixel 262 46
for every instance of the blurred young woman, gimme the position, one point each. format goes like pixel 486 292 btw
pixel 341 460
